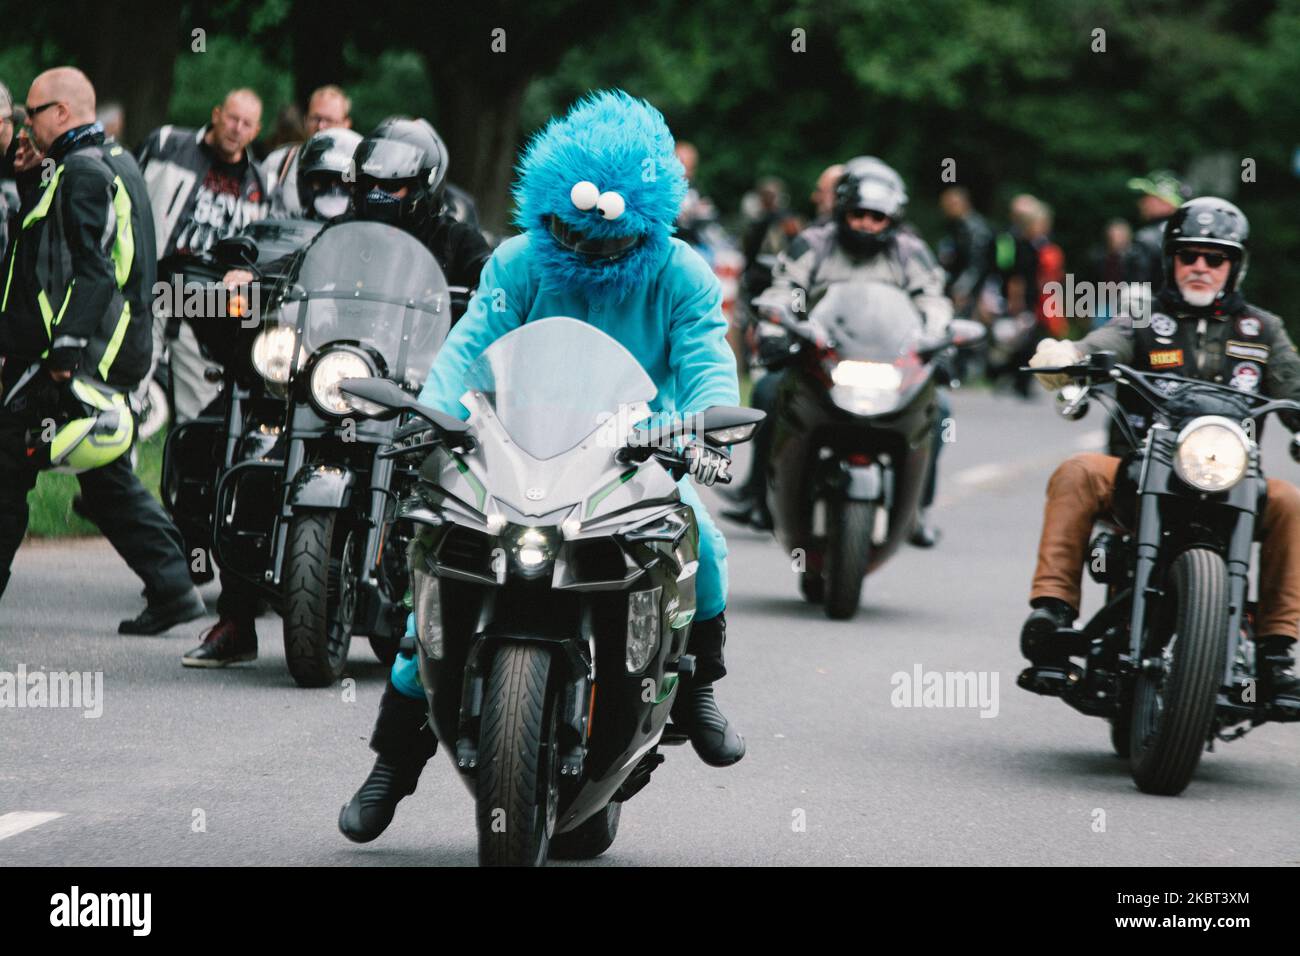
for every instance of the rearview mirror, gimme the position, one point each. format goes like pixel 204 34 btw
pixel 391 400
pixel 730 425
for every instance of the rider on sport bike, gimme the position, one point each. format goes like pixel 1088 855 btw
pixel 399 178
pixel 597 246
pixel 1201 328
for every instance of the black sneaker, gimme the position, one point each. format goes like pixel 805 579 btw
pixel 228 642
pixel 156 618
pixel 695 710
pixel 751 514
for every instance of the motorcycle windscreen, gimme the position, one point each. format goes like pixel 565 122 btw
pixel 374 285
pixel 869 321
pixel 554 381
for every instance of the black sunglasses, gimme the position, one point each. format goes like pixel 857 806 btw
pixel 1213 260
pixel 33 110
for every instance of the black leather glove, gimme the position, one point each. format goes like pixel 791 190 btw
pixel 707 465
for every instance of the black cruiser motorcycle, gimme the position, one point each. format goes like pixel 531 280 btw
pixel 301 509
pixel 853 419
pixel 553 572
pixel 1169 659
pixel 198 451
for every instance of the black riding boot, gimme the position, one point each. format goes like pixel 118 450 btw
pixel 404 745
pixel 1280 681
pixel 695 710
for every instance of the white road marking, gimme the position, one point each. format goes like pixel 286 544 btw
pixel 11 824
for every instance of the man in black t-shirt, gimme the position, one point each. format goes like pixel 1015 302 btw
pixel 204 186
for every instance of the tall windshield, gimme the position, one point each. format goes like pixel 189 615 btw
pixel 869 321
pixel 374 285
pixel 553 382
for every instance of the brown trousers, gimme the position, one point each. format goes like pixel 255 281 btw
pixel 1080 490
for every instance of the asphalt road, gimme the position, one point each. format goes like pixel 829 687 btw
pixel 240 767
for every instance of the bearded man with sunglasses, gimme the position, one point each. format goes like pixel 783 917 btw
pixel 1201 327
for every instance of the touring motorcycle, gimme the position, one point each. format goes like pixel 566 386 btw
pixel 302 500
pixel 854 421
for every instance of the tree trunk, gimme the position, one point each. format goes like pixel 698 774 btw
pixel 317 45
pixel 129 53
pixel 479 119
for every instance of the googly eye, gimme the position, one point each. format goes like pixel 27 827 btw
pixel 584 195
pixel 610 205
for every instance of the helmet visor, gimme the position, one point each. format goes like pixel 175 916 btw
pixel 389 159
pixel 575 240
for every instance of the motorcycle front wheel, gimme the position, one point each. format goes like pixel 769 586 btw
pixel 848 551
pixel 1174 704
pixel 320 597
pixel 517 790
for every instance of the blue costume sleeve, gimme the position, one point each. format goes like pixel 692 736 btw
pixel 497 308
pixel 702 362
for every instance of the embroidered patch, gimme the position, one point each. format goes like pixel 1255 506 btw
pixel 1248 325
pixel 1247 350
pixel 1245 377
pixel 1166 357
pixel 1165 325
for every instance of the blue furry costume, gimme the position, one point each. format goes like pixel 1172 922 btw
pixel 604 178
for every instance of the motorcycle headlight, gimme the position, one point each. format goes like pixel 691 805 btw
pixel 642 627
pixel 1212 453
pixel 533 550
pixel 273 352
pixel 865 388
pixel 332 368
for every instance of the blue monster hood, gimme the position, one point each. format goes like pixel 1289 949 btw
pixel 611 143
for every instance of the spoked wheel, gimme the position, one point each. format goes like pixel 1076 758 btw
pixel 848 551
pixel 517 791
pixel 320 597
pixel 1175 697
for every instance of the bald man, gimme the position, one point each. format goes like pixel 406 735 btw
pixel 77 302
pixel 204 186
pixel 327 108
pixel 823 195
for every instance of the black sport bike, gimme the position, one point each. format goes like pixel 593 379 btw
pixel 1170 659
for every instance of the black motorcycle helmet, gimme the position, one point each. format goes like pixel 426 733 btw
pixel 872 184
pixel 1209 221
pixel 324 190
pixel 400 153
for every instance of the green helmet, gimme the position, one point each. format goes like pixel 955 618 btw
pixel 94 428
